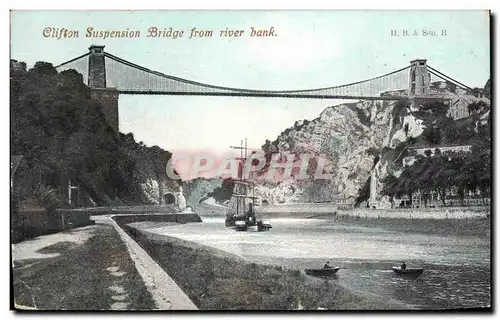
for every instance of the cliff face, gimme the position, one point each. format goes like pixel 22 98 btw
pixel 343 134
pixel 149 163
pixel 196 189
pixel 360 140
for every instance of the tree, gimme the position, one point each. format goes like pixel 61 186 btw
pixel 487 89
pixel 390 188
pixel 63 135
pixel 364 192
pixel 224 192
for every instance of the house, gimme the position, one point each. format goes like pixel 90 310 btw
pixel 408 161
pixel 443 149
pixel 344 203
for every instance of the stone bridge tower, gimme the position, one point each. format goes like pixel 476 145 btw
pixel 420 78
pixel 108 97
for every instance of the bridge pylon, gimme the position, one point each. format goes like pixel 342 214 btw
pixel 108 97
pixel 419 90
pixel 420 78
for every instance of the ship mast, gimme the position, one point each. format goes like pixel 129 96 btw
pixel 244 195
pixel 243 149
pixel 242 188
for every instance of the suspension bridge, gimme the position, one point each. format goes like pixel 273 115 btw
pixel 108 76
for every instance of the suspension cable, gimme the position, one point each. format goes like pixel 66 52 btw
pixel 447 78
pixel 72 60
pixel 133 65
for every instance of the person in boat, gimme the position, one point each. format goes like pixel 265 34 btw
pixel 327 265
pixel 403 266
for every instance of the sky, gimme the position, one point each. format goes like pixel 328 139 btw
pixel 311 49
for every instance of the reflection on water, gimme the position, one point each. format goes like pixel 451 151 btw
pixel 439 287
pixel 456 269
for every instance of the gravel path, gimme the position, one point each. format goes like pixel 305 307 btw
pixel 165 292
pixel 85 269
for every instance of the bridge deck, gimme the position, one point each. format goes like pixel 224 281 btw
pixel 262 94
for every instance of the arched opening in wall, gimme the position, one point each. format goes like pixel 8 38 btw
pixel 169 198
pixel 265 202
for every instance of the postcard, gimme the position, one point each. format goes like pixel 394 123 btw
pixel 250 160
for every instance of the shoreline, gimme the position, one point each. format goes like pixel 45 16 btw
pixel 446 222
pixel 217 280
pixel 308 210
pixel 473 227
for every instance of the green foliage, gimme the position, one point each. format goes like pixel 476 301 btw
pixel 364 192
pixel 319 190
pixel 46 197
pixel 477 106
pixel 363 118
pixel 442 130
pixel 63 135
pixel 465 171
pixel 224 192
pixel 400 110
pixel 372 151
pixel 487 89
pixel 441 172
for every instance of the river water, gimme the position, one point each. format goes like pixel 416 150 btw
pixel 456 269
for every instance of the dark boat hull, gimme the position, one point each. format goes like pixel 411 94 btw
pixel 263 226
pixel 408 271
pixel 322 272
pixel 229 222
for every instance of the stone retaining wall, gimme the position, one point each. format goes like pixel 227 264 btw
pixel 30 224
pixel 176 218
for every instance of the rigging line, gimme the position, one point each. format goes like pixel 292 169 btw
pixel 449 80
pixel 449 77
pixel 72 60
pixel 120 60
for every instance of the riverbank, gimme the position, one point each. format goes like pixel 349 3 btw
pixel 28 224
pixel 309 210
pixel 84 269
pixel 477 227
pixel 216 280
pixel 471 221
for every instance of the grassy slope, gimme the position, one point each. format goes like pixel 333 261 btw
pixel 218 281
pixel 78 279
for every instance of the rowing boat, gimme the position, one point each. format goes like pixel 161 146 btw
pixel 408 271
pixel 324 272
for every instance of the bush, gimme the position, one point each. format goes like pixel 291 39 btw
pixel 46 197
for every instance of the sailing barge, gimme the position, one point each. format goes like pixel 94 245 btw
pixel 241 212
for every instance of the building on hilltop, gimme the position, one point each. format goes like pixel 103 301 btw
pixel 408 161
pixel 443 149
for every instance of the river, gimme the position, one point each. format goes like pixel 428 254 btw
pixel 457 269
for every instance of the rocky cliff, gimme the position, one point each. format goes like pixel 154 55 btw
pixel 149 173
pixel 197 189
pixel 361 140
